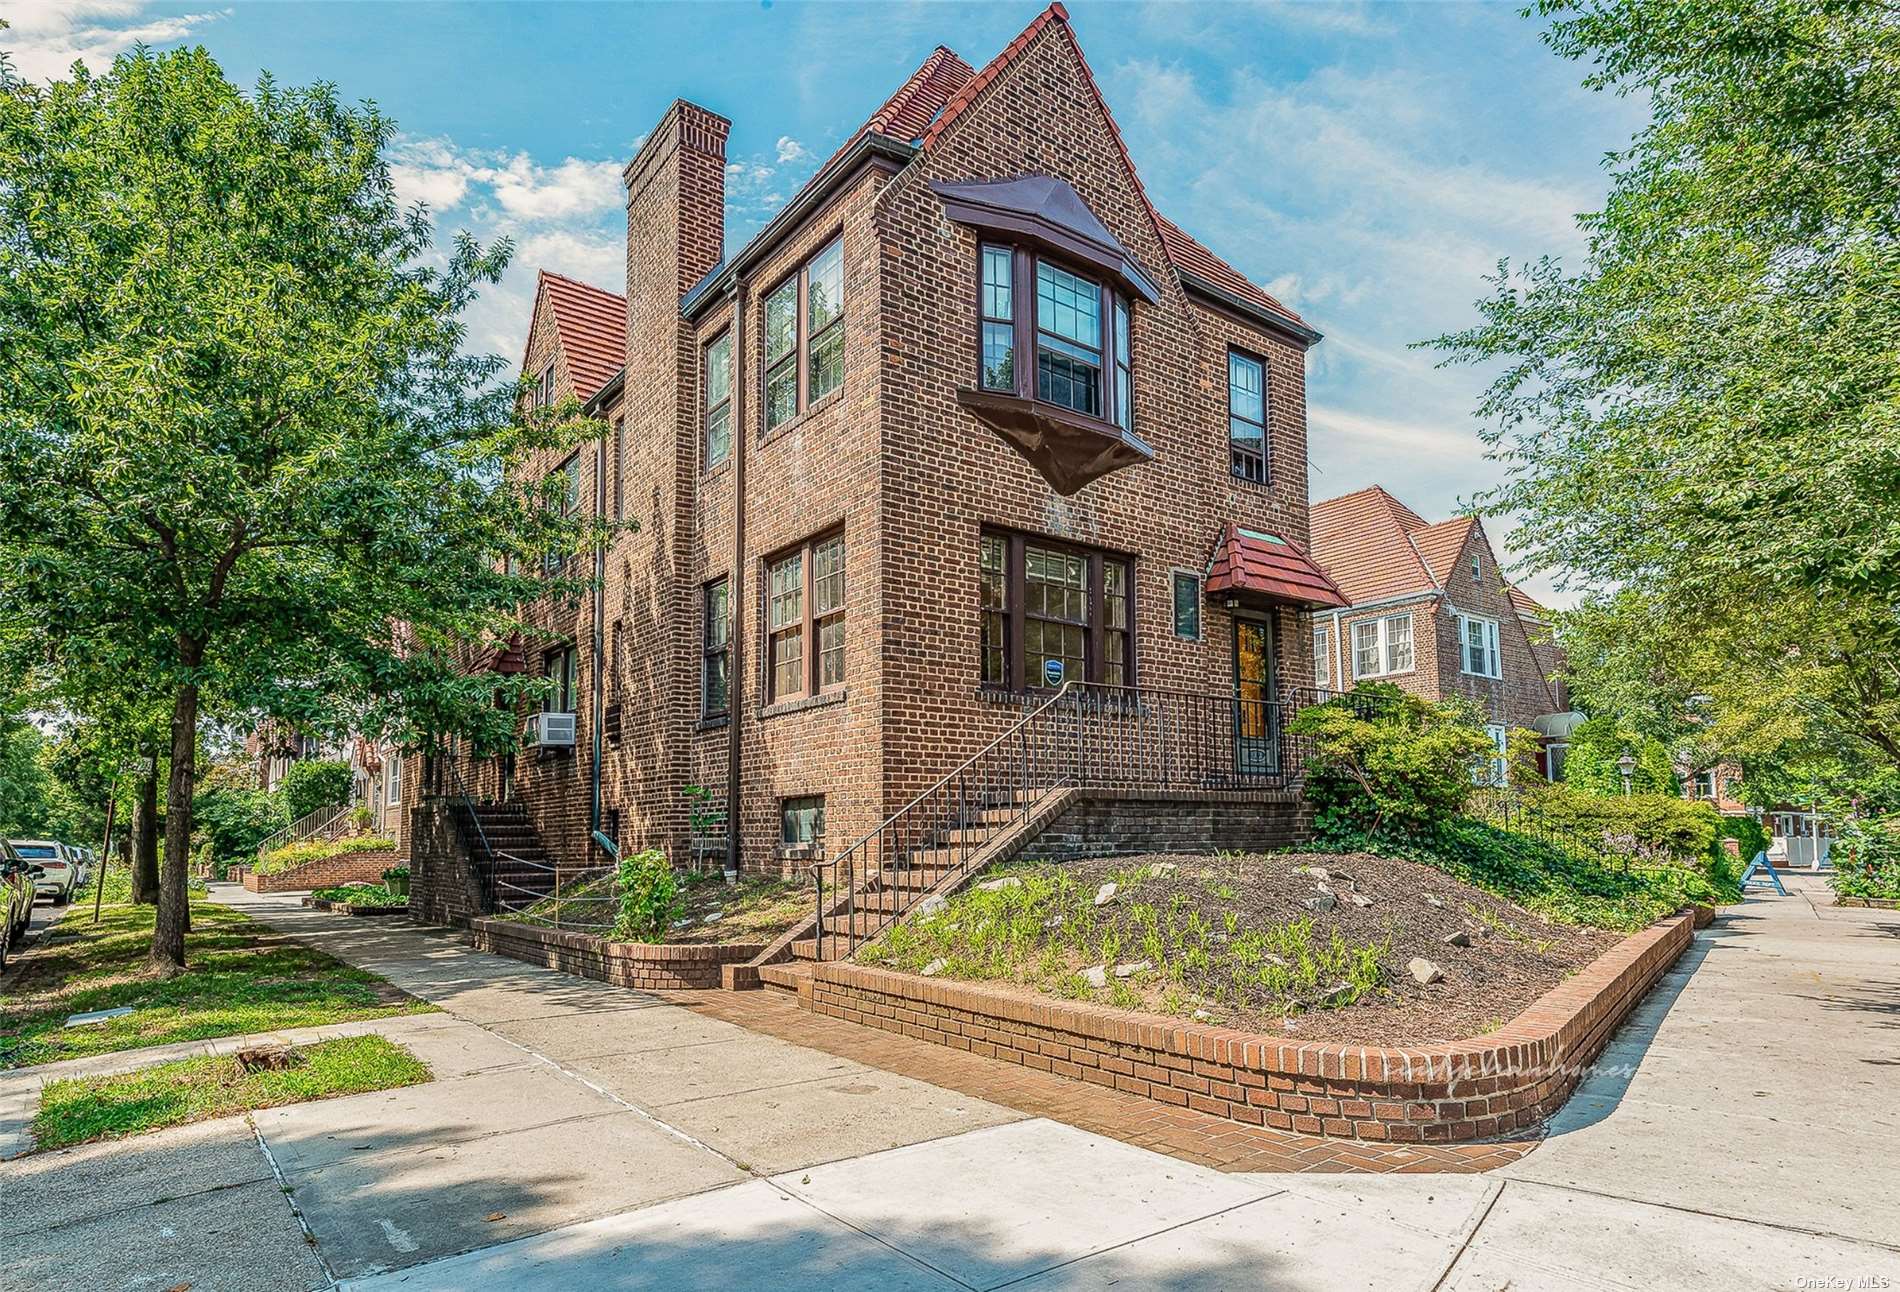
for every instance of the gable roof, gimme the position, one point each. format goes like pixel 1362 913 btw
pixel 591 325
pixel 939 92
pixel 1364 541
pixel 1525 604
pixel 1438 545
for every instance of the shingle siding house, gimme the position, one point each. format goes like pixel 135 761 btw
pixel 1430 610
pixel 968 417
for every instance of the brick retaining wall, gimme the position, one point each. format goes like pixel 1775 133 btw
pixel 443 885
pixel 624 964
pixel 350 868
pixel 1126 823
pixel 1488 1086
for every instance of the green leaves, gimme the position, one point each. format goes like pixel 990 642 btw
pixel 1385 759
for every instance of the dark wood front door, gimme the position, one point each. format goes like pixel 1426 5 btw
pixel 1256 723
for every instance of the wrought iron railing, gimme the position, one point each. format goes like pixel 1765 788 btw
pixel 1084 736
pixel 324 821
pixel 539 892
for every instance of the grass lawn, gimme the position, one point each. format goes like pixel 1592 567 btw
pixel 81 1109
pixel 243 977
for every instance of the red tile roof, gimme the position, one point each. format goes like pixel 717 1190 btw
pixel 1191 256
pixel 592 326
pixel 1438 545
pixel 1364 541
pixel 1248 560
pixel 1527 605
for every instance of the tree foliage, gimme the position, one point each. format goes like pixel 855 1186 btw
pixel 248 468
pixel 312 783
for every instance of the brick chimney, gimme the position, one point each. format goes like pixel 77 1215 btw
pixel 676 205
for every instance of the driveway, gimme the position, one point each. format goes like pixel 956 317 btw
pixel 581 1135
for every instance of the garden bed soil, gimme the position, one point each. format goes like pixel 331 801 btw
pixel 344 908
pixel 1512 959
pixel 753 909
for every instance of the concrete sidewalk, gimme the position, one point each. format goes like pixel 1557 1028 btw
pixel 580 1135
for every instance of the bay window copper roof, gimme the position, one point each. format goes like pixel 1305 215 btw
pixel 1251 562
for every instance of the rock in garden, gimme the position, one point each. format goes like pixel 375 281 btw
pixel 1321 904
pixel 714 918
pixel 931 905
pixel 1275 961
pixel 1162 869
pixel 1434 901
pixel 1131 969
pixel 1201 1016
pixel 1105 894
pixel 1096 975
pixel 1457 938
pixel 1053 922
pixel 997 885
pixel 683 924
pixel 935 967
pixel 1359 899
pixel 1320 873
pixel 1424 972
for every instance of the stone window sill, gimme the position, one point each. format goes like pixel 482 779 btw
pixel 804 702
pixel 713 722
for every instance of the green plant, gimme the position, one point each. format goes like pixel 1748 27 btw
pixel 298 854
pixel 1385 760
pixel 1866 859
pixel 314 783
pixel 1749 838
pixel 362 817
pixel 361 895
pixel 1657 823
pixel 232 822
pixel 649 894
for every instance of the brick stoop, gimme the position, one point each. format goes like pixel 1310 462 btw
pixel 1499 1084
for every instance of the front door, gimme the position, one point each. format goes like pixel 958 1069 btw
pixel 1256 723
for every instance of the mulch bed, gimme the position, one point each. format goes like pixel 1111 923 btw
pixel 1513 956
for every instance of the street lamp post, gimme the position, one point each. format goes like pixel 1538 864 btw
pixel 1626 766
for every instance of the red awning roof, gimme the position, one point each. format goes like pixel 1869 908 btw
pixel 1266 565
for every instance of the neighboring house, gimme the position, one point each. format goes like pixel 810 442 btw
pixel 377 771
pixel 968 405
pixel 273 749
pixel 1719 786
pixel 1430 610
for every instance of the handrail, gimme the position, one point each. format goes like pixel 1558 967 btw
pixel 303 827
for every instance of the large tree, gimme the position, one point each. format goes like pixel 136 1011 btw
pixel 246 466
pixel 1710 404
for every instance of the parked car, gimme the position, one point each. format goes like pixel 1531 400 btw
pixel 83 859
pixel 16 900
pixel 60 876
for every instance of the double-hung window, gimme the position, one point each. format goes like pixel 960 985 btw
pixel 1043 602
pixel 1493 770
pixel 1478 646
pixel 1069 343
pixel 1247 416
pixel 558 669
pixel 1381 646
pixel 804 336
pixel 715 649
pixel 1322 656
pixel 565 480
pixel 805 620
pixel 716 365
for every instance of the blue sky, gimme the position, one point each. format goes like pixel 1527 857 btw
pixel 1366 162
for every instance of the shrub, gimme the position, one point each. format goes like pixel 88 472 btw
pixel 360 895
pixel 298 854
pixel 1866 859
pixel 649 894
pixel 1750 838
pixel 1384 760
pixel 1645 826
pixel 313 784
pixel 232 822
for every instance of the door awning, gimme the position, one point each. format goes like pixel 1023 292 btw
pixel 1251 563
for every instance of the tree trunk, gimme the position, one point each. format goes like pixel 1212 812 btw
pixel 167 956
pixel 143 857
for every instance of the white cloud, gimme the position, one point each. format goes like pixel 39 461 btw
pixel 790 150
pixel 44 39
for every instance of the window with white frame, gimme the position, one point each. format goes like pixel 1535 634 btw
pixel 1492 771
pixel 1478 642
pixel 392 779
pixel 1381 646
pixel 1322 655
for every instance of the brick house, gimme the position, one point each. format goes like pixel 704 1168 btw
pixel 967 418
pixel 1430 610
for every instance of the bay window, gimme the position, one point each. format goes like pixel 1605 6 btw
pixel 1074 332
pixel 804 336
pixel 1043 601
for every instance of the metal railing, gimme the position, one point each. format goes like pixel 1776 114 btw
pixel 513 884
pixel 308 826
pixel 1084 736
